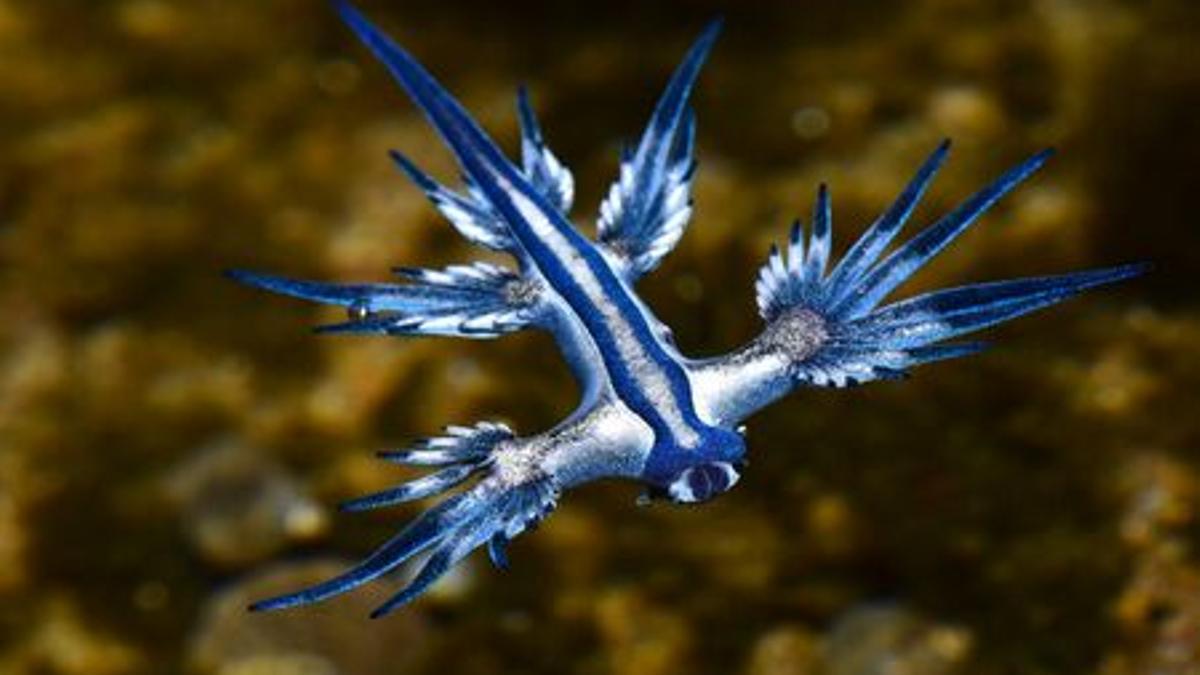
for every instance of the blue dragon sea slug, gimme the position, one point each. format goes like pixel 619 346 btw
pixel 648 412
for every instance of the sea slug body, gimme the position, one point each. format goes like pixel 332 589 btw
pixel 648 413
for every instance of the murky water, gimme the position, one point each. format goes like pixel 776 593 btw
pixel 172 445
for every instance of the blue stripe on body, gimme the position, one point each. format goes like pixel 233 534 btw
pixel 612 318
pixel 620 330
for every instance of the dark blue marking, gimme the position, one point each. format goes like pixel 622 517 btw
pixel 907 259
pixel 864 252
pixel 706 481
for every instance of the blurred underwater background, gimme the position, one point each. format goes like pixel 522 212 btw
pixel 173 445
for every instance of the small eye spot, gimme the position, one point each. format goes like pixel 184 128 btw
pixel 358 310
pixel 700 483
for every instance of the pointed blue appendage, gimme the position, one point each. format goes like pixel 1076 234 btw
pixel 648 207
pixel 471 213
pixel 865 342
pixel 543 170
pixel 479 300
pixel 491 513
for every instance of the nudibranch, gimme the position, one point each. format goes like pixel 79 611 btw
pixel 647 412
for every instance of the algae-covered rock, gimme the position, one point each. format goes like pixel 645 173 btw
pixel 1158 611
pixel 57 639
pixel 892 640
pixel 640 638
pixel 239 507
pixel 787 650
pixel 865 640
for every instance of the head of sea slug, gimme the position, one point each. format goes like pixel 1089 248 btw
pixel 702 482
pixel 718 469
